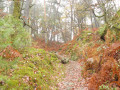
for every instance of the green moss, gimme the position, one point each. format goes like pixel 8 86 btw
pixel 36 70
pixel 114 26
pixel 12 83
pixel 102 30
pixel 74 57
pixel 16 11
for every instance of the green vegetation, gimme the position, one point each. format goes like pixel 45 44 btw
pixel 12 33
pixel 17 7
pixel 25 65
pixel 114 26
pixel 100 59
pixel 106 87
pixel 73 48
pixel 37 70
pixel 32 68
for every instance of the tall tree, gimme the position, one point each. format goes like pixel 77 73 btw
pixel 107 9
pixel 17 7
pixel 45 28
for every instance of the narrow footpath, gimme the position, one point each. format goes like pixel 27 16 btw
pixel 72 79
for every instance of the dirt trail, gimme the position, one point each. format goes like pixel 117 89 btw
pixel 72 79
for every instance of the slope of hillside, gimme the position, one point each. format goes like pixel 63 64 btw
pixel 100 59
pixel 23 67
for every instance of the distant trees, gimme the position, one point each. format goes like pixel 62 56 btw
pixel 106 8
pixel 60 20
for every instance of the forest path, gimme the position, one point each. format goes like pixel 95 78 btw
pixel 73 79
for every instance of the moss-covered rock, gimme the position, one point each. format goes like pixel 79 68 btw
pixel 114 27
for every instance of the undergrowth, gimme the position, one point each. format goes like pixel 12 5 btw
pixel 100 60
pixel 50 46
pixel 37 70
pixel 74 48
pixel 23 67
pixel 99 55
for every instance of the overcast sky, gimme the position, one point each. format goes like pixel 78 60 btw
pixel 116 1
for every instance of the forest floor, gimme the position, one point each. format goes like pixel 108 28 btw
pixel 73 79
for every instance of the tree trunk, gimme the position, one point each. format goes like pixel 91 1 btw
pixel 16 11
pixel 71 21
pixel 45 28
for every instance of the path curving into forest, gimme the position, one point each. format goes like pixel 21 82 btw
pixel 73 79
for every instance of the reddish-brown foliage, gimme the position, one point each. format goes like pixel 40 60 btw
pixel 106 73
pixel 74 44
pixel 101 62
pixel 95 29
pixel 50 46
pixel 10 53
pixel 105 63
pixel 2 14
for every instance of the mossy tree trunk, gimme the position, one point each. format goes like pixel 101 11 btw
pixel 16 11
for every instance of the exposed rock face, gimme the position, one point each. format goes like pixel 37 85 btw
pixel 112 28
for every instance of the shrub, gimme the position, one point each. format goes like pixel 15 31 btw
pixel 13 33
